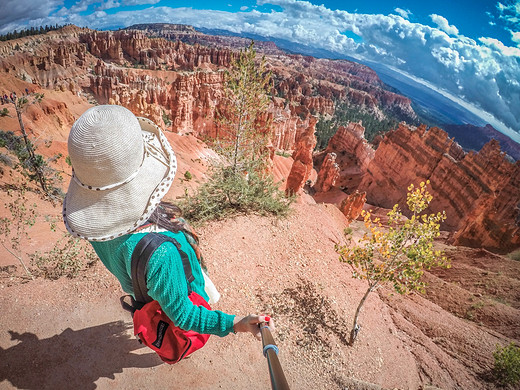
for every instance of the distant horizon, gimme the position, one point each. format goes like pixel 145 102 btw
pixel 469 51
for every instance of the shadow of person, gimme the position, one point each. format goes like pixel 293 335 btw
pixel 74 359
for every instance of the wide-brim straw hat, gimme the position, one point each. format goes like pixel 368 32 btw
pixel 122 167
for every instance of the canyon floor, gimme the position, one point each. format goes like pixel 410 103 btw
pixel 73 333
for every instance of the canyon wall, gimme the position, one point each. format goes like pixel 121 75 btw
pixel 480 192
pixel 302 165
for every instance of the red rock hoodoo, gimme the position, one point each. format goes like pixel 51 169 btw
pixel 302 165
pixel 328 174
pixel 353 152
pixel 352 205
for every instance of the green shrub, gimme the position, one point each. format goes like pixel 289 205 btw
pixel 68 257
pixel 32 165
pixel 4 112
pixel 6 160
pixel 227 193
pixel 515 255
pixel 188 176
pixel 166 119
pixel 507 364
pixel 283 153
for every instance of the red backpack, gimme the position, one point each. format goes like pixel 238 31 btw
pixel 151 324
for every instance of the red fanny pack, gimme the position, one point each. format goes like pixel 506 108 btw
pixel 151 324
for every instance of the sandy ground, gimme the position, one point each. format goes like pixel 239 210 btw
pixel 72 333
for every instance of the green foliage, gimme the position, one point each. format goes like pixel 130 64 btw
pixel 33 166
pixel 345 113
pixel 28 32
pixel 14 143
pixel 188 176
pixel 67 258
pixel 507 364
pixel 515 255
pixel 4 112
pixel 240 184
pixel 227 193
pixel 166 119
pixel 243 135
pixel 399 254
pixel 325 129
pixel 283 153
pixel 5 160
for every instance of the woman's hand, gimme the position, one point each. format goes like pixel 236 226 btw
pixel 250 324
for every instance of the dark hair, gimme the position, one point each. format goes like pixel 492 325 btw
pixel 164 216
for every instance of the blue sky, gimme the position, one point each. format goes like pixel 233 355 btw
pixel 467 50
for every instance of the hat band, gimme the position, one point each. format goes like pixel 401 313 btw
pixel 104 188
pixel 113 185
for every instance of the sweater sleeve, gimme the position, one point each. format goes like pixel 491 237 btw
pixel 167 284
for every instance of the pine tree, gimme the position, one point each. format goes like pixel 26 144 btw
pixel 243 134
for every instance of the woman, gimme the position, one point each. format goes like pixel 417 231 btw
pixel 122 168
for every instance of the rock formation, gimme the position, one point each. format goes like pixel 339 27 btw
pixel 353 152
pixel 352 205
pixel 302 156
pixel 328 174
pixel 480 192
pixel 179 85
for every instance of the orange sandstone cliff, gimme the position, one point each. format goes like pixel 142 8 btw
pixel 480 192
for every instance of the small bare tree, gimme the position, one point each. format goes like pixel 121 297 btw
pixel 13 229
pixel 399 254
pixel 35 162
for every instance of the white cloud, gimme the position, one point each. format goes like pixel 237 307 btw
pixel 498 45
pixel 442 23
pixel 244 8
pixel 515 36
pixel 405 13
pixel 510 13
pixel 109 4
pixel 138 2
pixel 18 11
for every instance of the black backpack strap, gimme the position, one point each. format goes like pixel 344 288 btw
pixel 143 251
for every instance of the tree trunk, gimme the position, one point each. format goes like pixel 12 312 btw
pixel 32 155
pixel 355 328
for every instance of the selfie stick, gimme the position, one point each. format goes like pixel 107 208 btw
pixel 278 381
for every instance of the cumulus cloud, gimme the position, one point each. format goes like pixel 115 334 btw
pixel 405 13
pixel 515 36
pixel 14 11
pixel 442 24
pixel 109 4
pixel 498 45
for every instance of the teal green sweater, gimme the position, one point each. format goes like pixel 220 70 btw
pixel 166 281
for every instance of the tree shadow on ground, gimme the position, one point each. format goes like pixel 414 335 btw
pixel 74 359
